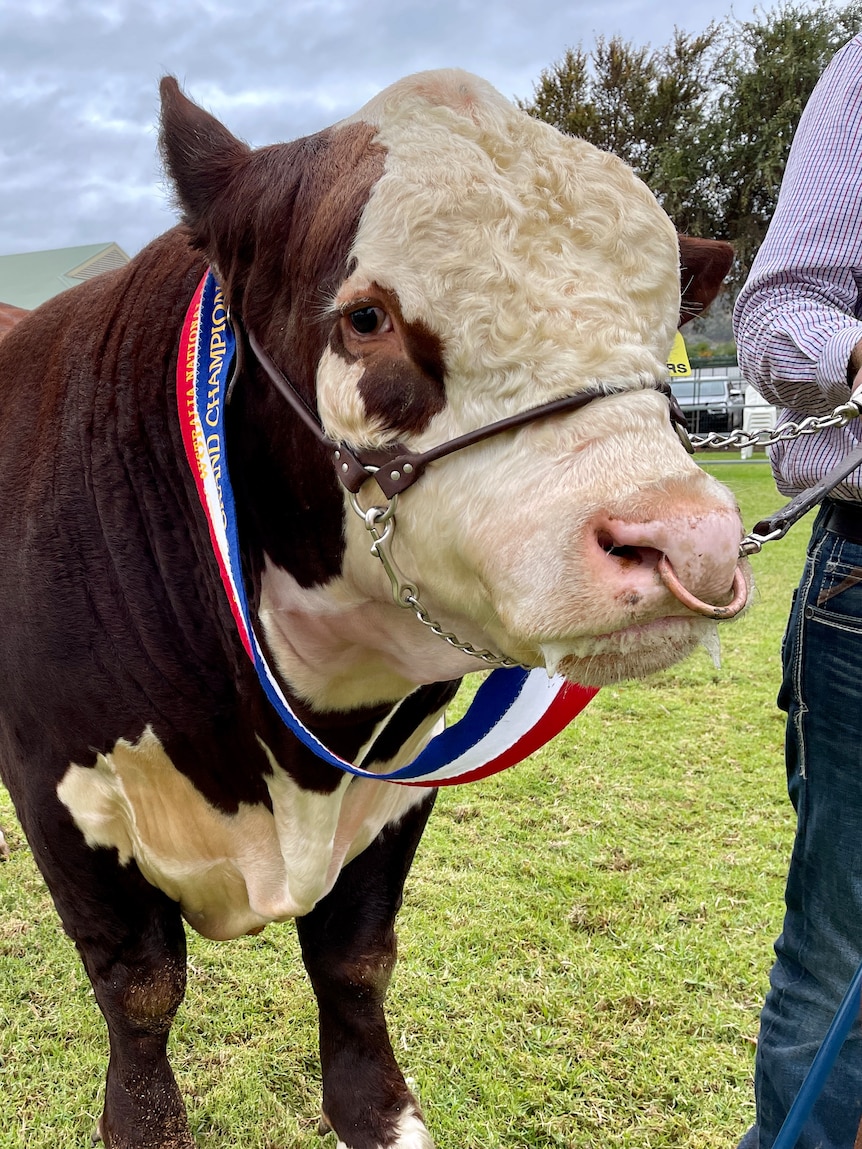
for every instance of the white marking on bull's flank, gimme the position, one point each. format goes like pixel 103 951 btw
pixel 231 873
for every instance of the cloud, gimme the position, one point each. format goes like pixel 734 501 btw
pixel 78 154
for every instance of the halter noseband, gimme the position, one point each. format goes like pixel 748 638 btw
pixel 394 468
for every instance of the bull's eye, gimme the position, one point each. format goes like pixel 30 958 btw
pixel 368 320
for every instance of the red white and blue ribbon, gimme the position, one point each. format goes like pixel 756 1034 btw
pixel 514 711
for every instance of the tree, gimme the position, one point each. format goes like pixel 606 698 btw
pixel 772 65
pixel 706 121
pixel 647 106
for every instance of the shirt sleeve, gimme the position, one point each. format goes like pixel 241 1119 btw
pixel 797 318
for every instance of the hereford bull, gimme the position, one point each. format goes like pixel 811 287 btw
pixel 434 264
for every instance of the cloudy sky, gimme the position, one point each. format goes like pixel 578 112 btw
pixel 78 80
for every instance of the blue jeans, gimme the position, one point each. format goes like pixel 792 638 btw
pixel 820 946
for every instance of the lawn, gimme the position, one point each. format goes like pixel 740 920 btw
pixel 583 948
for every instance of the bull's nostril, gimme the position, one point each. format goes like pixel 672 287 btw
pixel 608 545
pixel 627 555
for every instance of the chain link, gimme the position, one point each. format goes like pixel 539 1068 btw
pixel 765 437
pixel 845 413
pixel 486 656
pixel 406 594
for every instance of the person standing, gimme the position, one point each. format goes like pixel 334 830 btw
pixel 798 324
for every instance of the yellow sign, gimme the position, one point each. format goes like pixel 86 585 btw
pixel 677 361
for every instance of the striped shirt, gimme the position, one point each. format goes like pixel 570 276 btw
pixel 799 315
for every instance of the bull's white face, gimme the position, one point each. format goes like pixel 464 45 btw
pixel 539 266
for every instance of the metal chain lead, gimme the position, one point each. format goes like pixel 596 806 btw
pixel 406 594
pixel 485 655
pixel 845 413
pixel 840 417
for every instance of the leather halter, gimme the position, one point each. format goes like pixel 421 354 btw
pixel 394 468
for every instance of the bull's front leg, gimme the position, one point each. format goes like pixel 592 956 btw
pixel 348 946
pixel 131 939
pixel 139 990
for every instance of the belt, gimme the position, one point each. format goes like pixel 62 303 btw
pixel 843 518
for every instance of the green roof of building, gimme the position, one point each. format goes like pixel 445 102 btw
pixel 28 279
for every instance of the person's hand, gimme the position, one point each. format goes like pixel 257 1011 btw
pixel 854 371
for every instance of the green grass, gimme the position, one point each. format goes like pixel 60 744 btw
pixel 584 944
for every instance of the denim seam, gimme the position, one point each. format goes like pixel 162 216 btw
pixel 799 650
pixel 834 622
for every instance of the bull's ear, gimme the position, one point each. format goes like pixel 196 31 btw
pixel 703 265
pixel 202 159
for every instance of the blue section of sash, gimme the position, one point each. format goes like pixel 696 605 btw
pixel 494 698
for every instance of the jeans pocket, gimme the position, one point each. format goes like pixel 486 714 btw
pixel 838 599
pixel 829 669
pixel 840 591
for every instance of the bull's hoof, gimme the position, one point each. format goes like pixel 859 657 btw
pixel 410 1133
pixel 96 1135
pixel 323 1126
